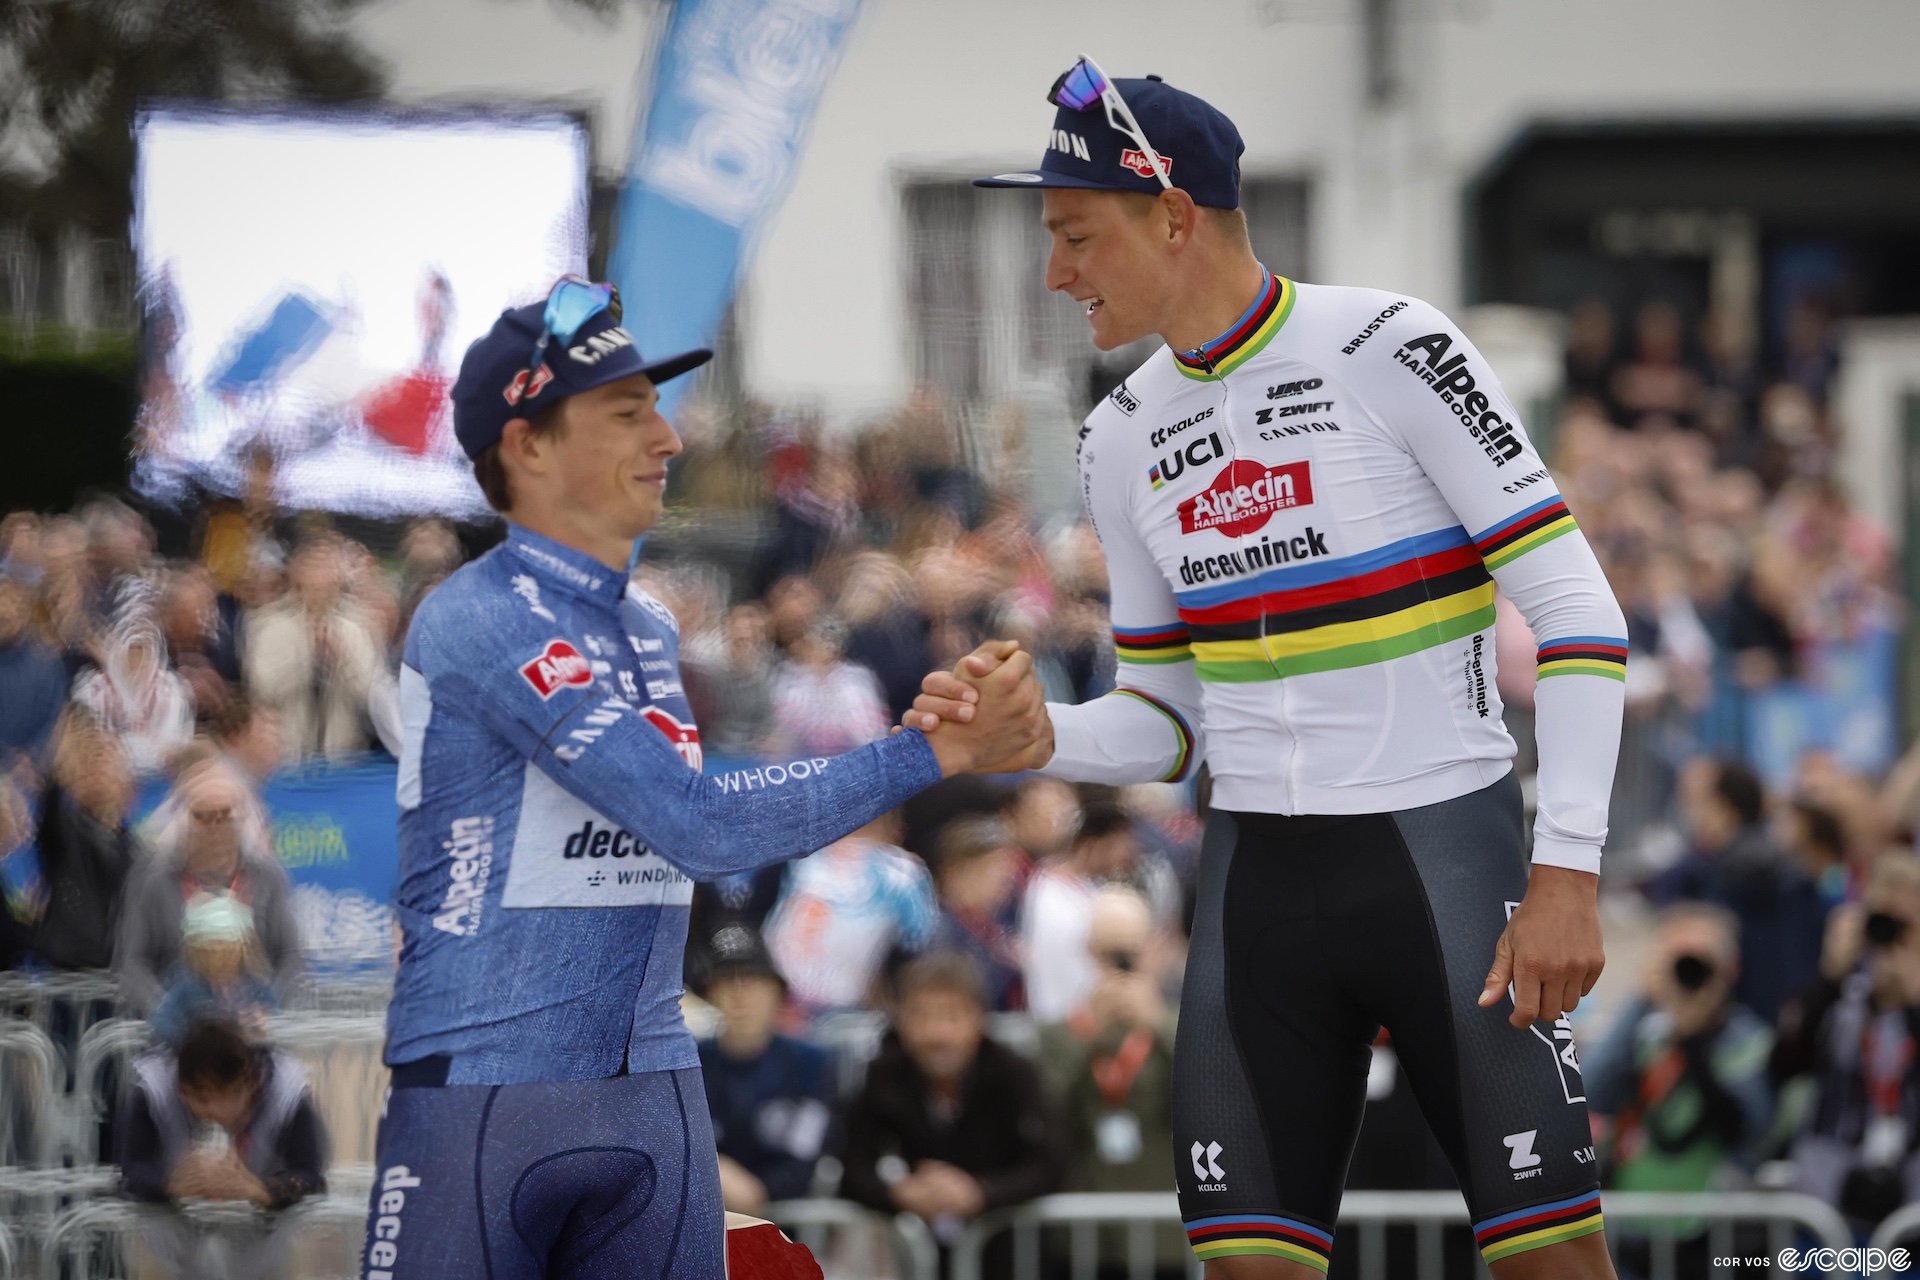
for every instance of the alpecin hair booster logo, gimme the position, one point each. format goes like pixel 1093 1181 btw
pixel 1245 496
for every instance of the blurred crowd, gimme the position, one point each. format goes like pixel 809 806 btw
pixel 850 996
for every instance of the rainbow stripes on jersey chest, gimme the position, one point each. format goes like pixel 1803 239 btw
pixel 1350 612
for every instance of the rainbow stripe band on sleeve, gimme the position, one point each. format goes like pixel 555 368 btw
pixel 1583 656
pixel 1511 539
pixel 1181 729
pixel 1168 643
pixel 1538 1226
pixel 1260 1233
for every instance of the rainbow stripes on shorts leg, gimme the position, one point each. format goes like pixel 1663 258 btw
pixel 1583 656
pixel 1538 1226
pixel 1261 1233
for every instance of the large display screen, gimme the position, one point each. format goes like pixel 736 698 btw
pixel 309 282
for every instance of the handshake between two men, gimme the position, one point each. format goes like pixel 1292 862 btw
pixel 987 715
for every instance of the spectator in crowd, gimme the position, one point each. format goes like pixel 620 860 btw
pixel 312 659
pixel 1112 1064
pixel 824 705
pixel 736 713
pixel 1735 862
pixel 205 848
pixel 771 1096
pixel 219 1119
pixel 200 637
pixel 949 1122
pixel 33 680
pixel 1813 835
pixel 1854 1030
pixel 889 634
pixel 119 564
pixel 1058 913
pixel 844 910
pixel 136 696
pixel 1041 814
pixel 977 868
pixel 217 977
pixel 1681 1081
pixel 247 735
pixel 84 848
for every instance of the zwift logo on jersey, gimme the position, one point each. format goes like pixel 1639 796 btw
pixel 1245 495
pixel 559 666
pixel 1454 383
pixel 1198 453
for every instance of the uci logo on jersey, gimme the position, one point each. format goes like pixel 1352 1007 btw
pixel 1198 453
pixel 558 667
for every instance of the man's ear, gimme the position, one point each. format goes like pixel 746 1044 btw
pixel 522 446
pixel 1181 215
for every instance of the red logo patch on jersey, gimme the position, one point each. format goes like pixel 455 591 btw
pixel 1135 159
pixel 684 737
pixel 1245 495
pixel 558 667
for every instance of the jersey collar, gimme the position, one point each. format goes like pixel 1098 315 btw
pixel 1246 336
pixel 575 571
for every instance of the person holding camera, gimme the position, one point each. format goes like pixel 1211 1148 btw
pixel 1681 1083
pixel 1855 1030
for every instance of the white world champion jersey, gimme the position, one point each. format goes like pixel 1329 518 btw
pixel 1307 517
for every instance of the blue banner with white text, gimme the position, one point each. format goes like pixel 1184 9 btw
pixel 734 91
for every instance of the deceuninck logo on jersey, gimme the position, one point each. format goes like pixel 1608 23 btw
pixel 1245 495
pixel 559 666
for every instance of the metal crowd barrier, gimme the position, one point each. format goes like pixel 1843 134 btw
pixel 1784 1215
pixel 842 1236
pixel 29 1106
pixel 91 1241
pixel 1902 1228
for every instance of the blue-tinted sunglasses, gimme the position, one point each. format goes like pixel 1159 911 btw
pixel 573 302
pixel 1082 85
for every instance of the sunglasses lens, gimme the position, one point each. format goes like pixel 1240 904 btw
pixel 572 303
pixel 1079 88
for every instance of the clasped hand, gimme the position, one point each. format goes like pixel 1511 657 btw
pixel 987 715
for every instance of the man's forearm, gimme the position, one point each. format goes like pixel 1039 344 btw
pixel 1127 736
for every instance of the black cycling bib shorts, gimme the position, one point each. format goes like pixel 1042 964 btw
pixel 1310 934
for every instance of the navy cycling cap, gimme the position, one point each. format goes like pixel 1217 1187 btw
pixel 1200 145
pixel 492 390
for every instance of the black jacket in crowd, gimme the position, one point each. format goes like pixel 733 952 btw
pixel 84 864
pixel 1006 1131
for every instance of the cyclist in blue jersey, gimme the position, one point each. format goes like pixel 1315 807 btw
pixel 1306 499
pixel 546 1116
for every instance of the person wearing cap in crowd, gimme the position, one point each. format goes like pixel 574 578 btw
pixel 214 842
pixel 546 1115
pixel 1305 498
pixel 217 976
pixel 771 1097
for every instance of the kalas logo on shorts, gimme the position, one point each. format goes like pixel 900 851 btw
pixel 1245 495
pixel 558 667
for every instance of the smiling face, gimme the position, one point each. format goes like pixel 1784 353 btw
pixel 605 471
pixel 1116 253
